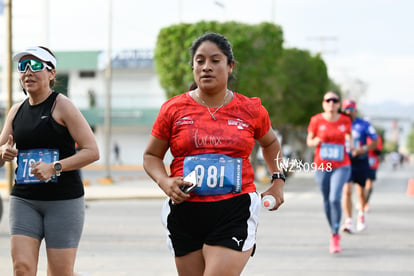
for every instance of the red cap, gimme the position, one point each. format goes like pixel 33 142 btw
pixel 348 103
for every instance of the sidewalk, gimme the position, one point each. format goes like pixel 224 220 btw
pixel 125 189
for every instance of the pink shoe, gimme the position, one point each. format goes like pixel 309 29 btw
pixel 334 246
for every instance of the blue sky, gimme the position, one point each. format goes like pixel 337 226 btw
pixel 366 42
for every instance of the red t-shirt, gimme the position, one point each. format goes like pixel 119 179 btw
pixel 372 157
pixel 190 130
pixel 331 153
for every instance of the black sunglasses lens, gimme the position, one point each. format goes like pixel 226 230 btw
pixel 332 100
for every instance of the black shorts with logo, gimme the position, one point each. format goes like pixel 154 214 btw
pixel 230 223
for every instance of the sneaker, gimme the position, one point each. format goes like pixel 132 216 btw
pixel 347 227
pixel 334 246
pixel 361 223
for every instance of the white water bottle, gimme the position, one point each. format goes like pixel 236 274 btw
pixel 269 202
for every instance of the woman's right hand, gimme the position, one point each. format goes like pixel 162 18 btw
pixel 316 141
pixel 172 188
pixel 8 153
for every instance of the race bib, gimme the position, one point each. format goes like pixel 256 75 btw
pixel 372 161
pixel 331 152
pixel 216 174
pixel 28 157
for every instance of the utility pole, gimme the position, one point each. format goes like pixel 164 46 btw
pixel 322 41
pixel 223 7
pixel 273 12
pixel 8 76
pixel 180 11
pixel 108 78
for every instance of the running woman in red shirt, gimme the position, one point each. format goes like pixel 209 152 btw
pixel 212 130
pixel 328 132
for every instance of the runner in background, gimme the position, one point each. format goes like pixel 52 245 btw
pixel 374 160
pixel 328 132
pixel 361 130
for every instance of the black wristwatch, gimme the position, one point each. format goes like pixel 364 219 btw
pixel 58 168
pixel 277 175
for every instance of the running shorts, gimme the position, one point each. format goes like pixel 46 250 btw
pixel 359 172
pixel 372 174
pixel 59 222
pixel 231 223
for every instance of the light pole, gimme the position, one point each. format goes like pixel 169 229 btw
pixel 221 5
pixel 108 84
pixel 7 70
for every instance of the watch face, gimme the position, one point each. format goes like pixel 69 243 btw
pixel 58 166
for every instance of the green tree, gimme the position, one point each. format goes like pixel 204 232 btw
pixel 256 49
pixel 301 82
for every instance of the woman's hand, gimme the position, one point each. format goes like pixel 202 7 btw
pixel 316 141
pixel 43 171
pixel 8 153
pixel 172 188
pixel 276 190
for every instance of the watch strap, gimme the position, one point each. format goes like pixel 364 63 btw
pixel 277 175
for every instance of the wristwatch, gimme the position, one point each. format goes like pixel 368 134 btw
pixel 277 175
pixel 58 168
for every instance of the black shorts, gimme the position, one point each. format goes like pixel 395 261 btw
pixel 372 174
pixel 230 223
pixel 359 172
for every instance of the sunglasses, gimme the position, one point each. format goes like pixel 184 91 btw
pixel 334 100
pixel 35 65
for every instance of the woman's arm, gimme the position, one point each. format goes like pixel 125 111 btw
pixel 272 155
pixel 154 166
pixel 68 115
pixel 312 140
pixel 8 152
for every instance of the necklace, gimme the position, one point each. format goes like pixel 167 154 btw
pixel 208 108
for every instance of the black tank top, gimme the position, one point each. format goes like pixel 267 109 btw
pixel 34 128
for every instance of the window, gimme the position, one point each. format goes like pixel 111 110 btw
pixel 87 74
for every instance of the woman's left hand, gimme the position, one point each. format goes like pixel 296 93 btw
pixel 276 190
pixel 42 171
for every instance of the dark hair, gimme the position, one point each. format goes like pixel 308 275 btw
pixel 52 82
pixel 222 43
pixel 334 92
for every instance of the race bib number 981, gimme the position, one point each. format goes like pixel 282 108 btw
pixel 216 174
pixel 28 157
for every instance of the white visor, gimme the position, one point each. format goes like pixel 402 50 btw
pixel 38 52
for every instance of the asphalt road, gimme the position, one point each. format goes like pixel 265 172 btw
pixel 125 237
